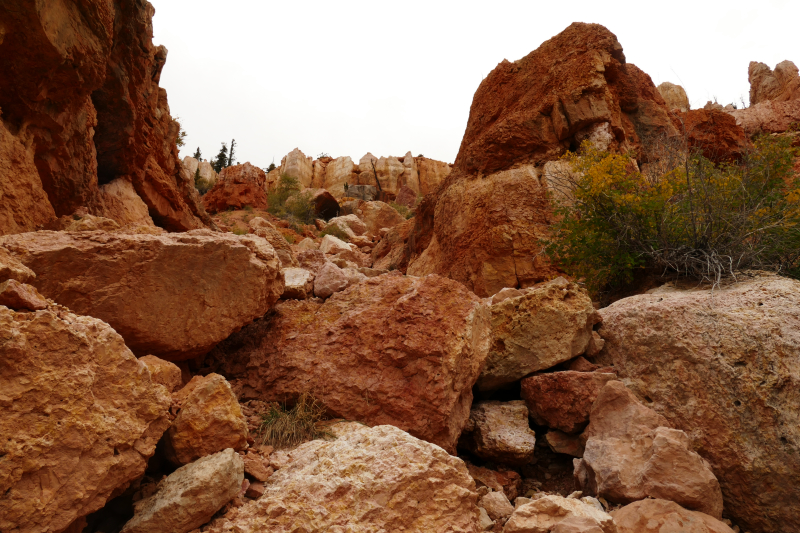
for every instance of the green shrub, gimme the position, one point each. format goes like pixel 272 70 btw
pixel 239 231
pixel 683 214
pixel 336 231
pixel 283 428
pixel 289 239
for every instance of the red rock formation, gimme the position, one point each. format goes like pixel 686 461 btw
pixel 80 93
pixel 768 117
pixel 715 133
pixel 483 224
pixel 237 187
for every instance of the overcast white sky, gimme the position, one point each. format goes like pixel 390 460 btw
pixel 347 77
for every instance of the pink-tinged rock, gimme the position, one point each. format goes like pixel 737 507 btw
pixel 780 85
pixel 768 117
pixel 546 513
pixel 261 227
pixel 406 196
pixel 333 245
pixel 499 432
pixel 563 400
pixel 79 418
pixel 163 372
pixel 209 421
pixel 298 283
pixel 330 279
pixel 173 296
pixel 497 505
pixel 256 466
pixel 389 350
pixel 255 490
pixel 630 455
pixel 659 516
pixel 311 260
pixel 21 297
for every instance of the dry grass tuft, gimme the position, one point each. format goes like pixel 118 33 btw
pixel 287 428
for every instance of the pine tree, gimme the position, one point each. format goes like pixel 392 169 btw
pixel 231 157
pixel 197 155
pixel 271 167
pixel 222 159
pixel 197 179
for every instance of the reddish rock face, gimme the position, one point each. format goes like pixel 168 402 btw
pixel 563 400
pixel 654 516
pixel 768 117
pixel 237 187
pixel 390 350
pixel 82 93
pixel 715 133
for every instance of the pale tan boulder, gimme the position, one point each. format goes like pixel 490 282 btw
pixel 11 268
pixel 329 280
pixel 378 215
pixel 630 455
pixel 297 165
pixel 307 244
pixel 173 296
pixel 79 416
pixel 431 173
pixel 119 201
pixel 359 259
pixel 485 523
pixel 209 420
pixel 692 353
pixel 542 515
pixel 190 496
pixel 264 229
pixel 658 516
pixel 21 297
pixel 350 224
pixel 497 505
pixel 389 350
pixel 333 245
pixel 337 173
pixel 547 325
pixel 367 479
pixel 410 176
pixel 163 372
pixel 499 432
pixel 674 96
pixel 780 85
pixel 298 283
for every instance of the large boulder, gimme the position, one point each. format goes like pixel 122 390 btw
pixel 719 364
pixel 658 516
pixel 499 432
pixel 714 133
pixel 366 479
pixel 631 454
pixel 190 496
pixel 118 201
pixel 389 350
pixel 779 85
pixel 264 229
pixel 542 327
pixel 174 296
pixel 483 226
pixel 297 165
pixel 238 186
pixel 79 416
pixel 209 420
pixel 674 96
pixel 378 215
pixel 547 512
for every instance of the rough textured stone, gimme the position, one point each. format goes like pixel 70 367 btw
pixel 431 174
pixel 297 165
pixel 350 224
pixel 329 280
pixel 261 227
pixel 163 372
pixel 390 350
pixel 658 516
pixel 390 252
pixel 174 296
pixel 298 283
pixel 333 245
pixel 83 222
pixel 238 186
pixel 497 505
pixel 11 268
pixel 119 201
pixel 257 467
pixel 79 416
pixel 719 365
pixel 378 215
pixel 768 117
pixel 368 479
pixel 674 96
pixel 630 454
pixel 563 400
pixel 406 196
pixel 337 173
pixel 715 133
pixel 547 325
pixel 190 496
pixel 21 297
pixel 209 420
pixel 499 432
pixel 507 481
pixel 542 515
pixel 560 442
pixel 779 85
pixel 312 260
pixel 325 205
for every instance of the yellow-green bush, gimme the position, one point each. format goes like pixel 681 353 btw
pixel 682 214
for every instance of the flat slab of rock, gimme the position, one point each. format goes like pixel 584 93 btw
pixel 79 418
pixel 209 420
pixel 174 296
pixel 367 479
pixel 542 515
pixel 717 365
pixel 190 496
pixel 499 432
pixel 390 350
pixel 656 516
pixel 545 326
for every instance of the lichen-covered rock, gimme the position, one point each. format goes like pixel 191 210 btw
pixel 173 296
pixel 719 364
pixel 657 516
pixel 545 326
pixel 499 432
pixel 190 496
pixel 209 420
pixel 163 372
pixel 542 515
pixel 390 350
pixel 631 454
pixel 563 400
pixel 79 416
pixel 367 479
